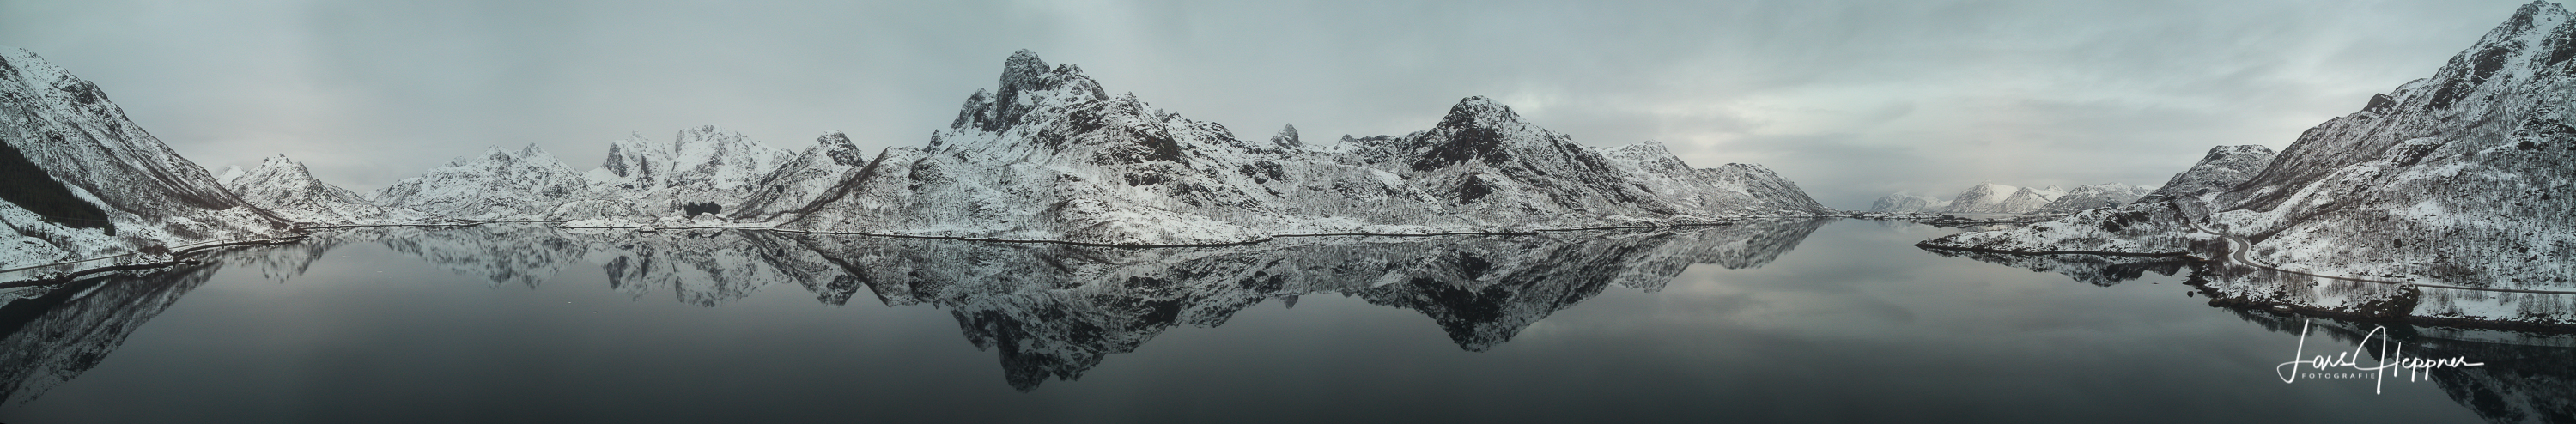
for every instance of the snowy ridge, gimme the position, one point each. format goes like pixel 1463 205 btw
pixel 1909 202
pixel 1991 198
pixel 1049 155
pixel 285 187
pixel 2094 196
pixel 528 184
pixel 86 182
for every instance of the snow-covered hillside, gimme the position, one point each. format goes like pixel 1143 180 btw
pixel 2465 179
pixel 82 181
pixel 285 187
pixel 1050 155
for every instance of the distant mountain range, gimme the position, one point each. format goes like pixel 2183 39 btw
pixel 1994 198
pixel 1048 155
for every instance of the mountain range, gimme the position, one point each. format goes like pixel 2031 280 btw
pixel 1048 155
pixel 1992 198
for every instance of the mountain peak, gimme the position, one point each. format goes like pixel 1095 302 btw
pixel 1287 137
pixel 1023 65
pixel 1026 85
pixel 1479 112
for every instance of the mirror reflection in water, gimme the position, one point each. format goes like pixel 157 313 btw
pixel 1765 320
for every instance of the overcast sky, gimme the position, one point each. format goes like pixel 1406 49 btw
pixel 1850 99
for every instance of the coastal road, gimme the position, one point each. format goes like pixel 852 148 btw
pixel 2194 213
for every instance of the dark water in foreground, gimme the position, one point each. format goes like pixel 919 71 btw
pixel 1778 321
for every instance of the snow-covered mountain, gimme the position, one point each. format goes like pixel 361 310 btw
pixel 701 174
pixel 700 171
pixel 1909 201
pixel 285 187
pixel 1989 197
pixel 2094 196
pixel 81 181
pixel 1992 198
pixel 2465 179
pixel 820 170
pixel 528 184
pixel 1050 155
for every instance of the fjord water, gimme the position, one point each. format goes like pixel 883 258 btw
pixel 1764 321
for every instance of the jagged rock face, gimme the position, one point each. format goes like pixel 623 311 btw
pixel 1496 169
pixel 94 160
pixel 2095 196
pixel 1049 156
pixel 528 184
pixel 704 166
pixel 2465 178
pixel 285 187
pixel 818 171
pixel 1901 202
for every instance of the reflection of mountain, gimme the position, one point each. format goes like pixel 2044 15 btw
pixel 1056 310
pixel 503 254
pixel 1049 310
pixel 2525 379
pixel 2099 270
pixel 49 339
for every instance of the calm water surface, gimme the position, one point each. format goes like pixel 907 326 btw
pixel 1771 321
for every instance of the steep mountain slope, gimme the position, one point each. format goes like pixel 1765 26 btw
pixel 285 187
pixel 2466 178
pixel 818 171
pixel 1049 155
pixel 2420 205
pixel 84 181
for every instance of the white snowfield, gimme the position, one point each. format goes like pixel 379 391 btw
pixel 2454 193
